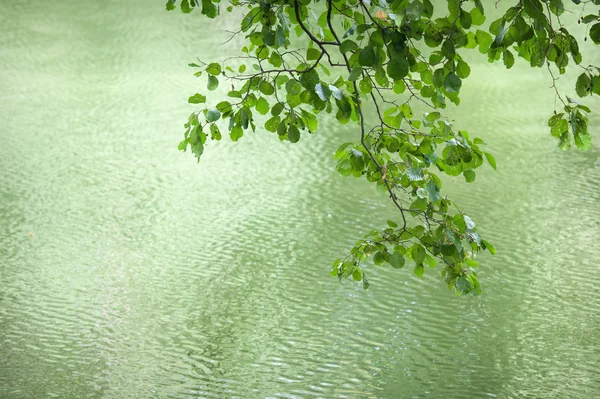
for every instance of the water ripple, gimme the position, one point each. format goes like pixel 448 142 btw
pixel 129 271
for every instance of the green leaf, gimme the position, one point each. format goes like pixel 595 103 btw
pixel 448 49
pixel 452 83
pixel 277 109
pixel 419 270
pixel 399 87
pixel 397 68
pixel 244 116
pixel 397 260
pixel 381 77
pixel 415 174
pixel 432 116
pixel 225 108
pixel 595 33
pixel 419 205
pixel 406 111
pixel 477 17
pixel 213 69
pixel 578 123
pixel 596 85
pixel 215 133
pixel 489 247
pixel 275 59
pixel 309 79
pixel 312 54
pixel 418 253
pixel 454 8
pixel 185 6
pixel 337 93
pixel 427 9
pixel 491 160
pixel 344 168
pixel 557 7
pixel 293 133
pixel 365 85
pixel 236 133
pixel 469 175
pixel 430 260
pixel 555 118
pixel 583 85
pixel 583 141
pixel 418 230
pixel 184 143
pixel 561 127
pixel 213 115
pixel 366 283
pixel 535 10
pixel 438 77
pixel 266 88
pixel 322 91
pixel 462 68
pixel 355 74
pixel 272 123
pixel 209 9
pixel 197 99
pixel 509 59
pixel 197 149
pixel 379 258
pixel 348 45
pixel 484 40
pixel 347 268
pixel 366 57
pixel 465 19
pixel 479 6
pixel 433 191
pixel 564 141
pixel 422 193
pixel 469 221
pixel 413 11
pixel 459 222
pixel 262 106
pixel 282 128
pixel 213 83
pixel 293 87
pixel 463 285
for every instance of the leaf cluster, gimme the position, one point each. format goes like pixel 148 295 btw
pixel 301 58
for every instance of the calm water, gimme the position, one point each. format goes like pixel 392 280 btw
pixel 129 271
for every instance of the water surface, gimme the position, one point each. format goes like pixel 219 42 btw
pixel 129 271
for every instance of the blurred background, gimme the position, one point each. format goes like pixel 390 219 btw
pixel 127 270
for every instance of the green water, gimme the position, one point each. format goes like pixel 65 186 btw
pixel 129 271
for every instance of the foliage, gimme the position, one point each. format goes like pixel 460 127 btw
pixel 394 55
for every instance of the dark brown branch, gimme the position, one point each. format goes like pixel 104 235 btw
pixel 362 120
